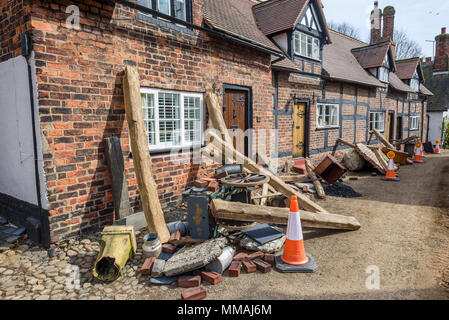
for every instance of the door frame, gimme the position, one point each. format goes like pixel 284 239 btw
pixel 392 124
pixel 307 125
pixel 248 115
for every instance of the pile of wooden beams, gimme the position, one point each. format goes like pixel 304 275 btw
pixel 314 214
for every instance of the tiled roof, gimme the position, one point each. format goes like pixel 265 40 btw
pixel 284 64
pixel 278 15
pixel 235 17
pixel 340 64
pixel 423 90
pixel 406 68
pixel 398 84
pixel 372 56
pixel 438 85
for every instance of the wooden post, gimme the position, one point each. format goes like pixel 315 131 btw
pixel 276 182
pixel 120 195
pixel 384 140
pixel 316 182
pixel 141 155
pixel 216 117
pixel 235 211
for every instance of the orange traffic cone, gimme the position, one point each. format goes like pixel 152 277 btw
pixel 418 156
pixel 437 147
pixel 294 258
pixel 390 175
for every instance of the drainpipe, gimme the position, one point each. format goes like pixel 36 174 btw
pixel 26 52
pixel 276 119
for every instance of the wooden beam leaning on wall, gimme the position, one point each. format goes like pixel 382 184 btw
pixel 236 211
pixel 120 195
pixel 141 155
pixel 276 182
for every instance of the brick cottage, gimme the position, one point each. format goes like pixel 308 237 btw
pixel 273 64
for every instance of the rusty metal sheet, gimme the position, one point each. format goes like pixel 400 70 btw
pixel 369 156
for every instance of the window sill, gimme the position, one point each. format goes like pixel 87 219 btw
pixel 327 128
pixel 306 57
pixel 164 23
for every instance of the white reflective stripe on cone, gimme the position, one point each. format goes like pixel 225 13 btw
pixel 294 229
pixel 390 164
pixel 418 151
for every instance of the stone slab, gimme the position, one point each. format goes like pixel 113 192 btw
pixel 194 257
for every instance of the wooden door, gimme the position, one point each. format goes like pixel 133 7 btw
pixel 390 127
pixel 398 128
pixel 299 130
pixel 235 113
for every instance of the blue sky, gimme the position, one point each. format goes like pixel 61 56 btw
pixel 421 19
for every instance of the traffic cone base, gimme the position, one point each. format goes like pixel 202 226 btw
pixel 309 267
pixel 391 179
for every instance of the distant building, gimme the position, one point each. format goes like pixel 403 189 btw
pixel 437 80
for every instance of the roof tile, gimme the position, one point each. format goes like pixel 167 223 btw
pixel 340 64
pixel 235 17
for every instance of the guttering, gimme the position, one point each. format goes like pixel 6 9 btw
pixel 194 26
pixel 350 81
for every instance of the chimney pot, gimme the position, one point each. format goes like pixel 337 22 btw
pixel 388 19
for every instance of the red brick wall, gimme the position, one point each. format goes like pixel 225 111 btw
pixel 14 20
pixel 81 102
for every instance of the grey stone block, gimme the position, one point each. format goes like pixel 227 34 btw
pixel 158 268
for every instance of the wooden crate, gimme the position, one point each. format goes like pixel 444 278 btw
pixel 330 170
pixel 400 157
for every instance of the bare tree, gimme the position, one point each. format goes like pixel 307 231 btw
pixel 406 48
pixel 345 28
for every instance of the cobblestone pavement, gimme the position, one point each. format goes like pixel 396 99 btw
pixel 30 272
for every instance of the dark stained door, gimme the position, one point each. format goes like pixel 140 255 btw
pixel 236 117
pixel 399 128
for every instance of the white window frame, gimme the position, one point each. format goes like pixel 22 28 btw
pixel 374 124
pixel 412 125
pixel 161 146
pixel 320 116
pixel 384 74
pixel 297 45
pixel 414 84
pixel 170 13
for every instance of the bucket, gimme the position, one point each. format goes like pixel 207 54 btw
pixel 151 247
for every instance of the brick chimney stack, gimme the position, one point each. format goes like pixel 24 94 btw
pixel 388 18
pixel 376 21
pixel 441 63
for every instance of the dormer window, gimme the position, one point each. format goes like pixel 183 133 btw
pixel 306 45
pixel 384 71
pixel 414 82
pixel 384 74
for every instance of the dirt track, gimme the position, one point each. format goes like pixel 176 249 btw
pixel 405 233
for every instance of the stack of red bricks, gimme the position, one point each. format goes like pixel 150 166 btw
pixel 263 262
pixel 210 183
pixel 196 291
